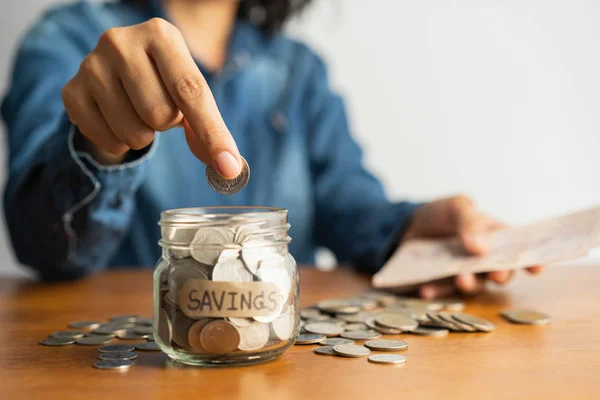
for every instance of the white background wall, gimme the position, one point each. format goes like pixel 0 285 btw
pixel 498 99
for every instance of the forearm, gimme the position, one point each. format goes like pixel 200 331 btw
pixel 67 215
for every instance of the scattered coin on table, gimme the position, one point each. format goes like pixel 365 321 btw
pixel 120 355
pixel 68 334
pixel 351 350
pixel 310 338
pixel 361 335
pixel 324 351
pixel 439 332
pixel 147 346
pixel 52 341
pixel 386 345
pixel 116 348
pixel 336 341
pixel 387 359
pixel 94 340
pixel 85 324
pixel 324 328
pixel 114 364
pixel 527 317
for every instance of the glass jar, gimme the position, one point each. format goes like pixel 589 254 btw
pixel 226 288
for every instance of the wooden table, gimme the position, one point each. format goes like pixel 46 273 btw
pixel 560 360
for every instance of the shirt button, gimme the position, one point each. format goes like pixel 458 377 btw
pixel 279 122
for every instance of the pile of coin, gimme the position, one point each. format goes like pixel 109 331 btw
pixel 227 290
pixel 337 324
pixel 96 333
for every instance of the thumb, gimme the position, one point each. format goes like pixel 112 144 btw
pixel 216 150
pixel 471 227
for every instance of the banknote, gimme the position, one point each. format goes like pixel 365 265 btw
pixel 558 239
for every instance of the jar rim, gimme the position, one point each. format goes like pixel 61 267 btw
pixel 221 215
pixel 222 211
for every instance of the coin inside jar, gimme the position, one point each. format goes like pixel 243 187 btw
pixel 193 334
pixel 228 186
pixel 220 337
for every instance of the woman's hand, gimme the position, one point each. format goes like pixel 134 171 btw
pixel 458 216
pixel 141 79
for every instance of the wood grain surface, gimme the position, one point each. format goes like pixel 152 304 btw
pixel 557 361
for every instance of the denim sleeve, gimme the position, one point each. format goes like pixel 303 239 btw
pixel 66 214
pixel 354 218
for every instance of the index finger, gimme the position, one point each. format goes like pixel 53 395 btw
pixel 189 90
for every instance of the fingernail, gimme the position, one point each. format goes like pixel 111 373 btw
pixel 227 165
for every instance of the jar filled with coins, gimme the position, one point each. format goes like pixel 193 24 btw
pixel 226 287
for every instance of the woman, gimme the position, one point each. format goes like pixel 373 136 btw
pixel 89 175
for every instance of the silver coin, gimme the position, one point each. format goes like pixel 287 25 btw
pixel 370 322
pixel 85 324
pixel 182 271
pixel 144 321
pixel 228 186
pixel 387 359
pixel 122 355
pixel 283 327
pixel 126 317
pixel 248 231
pixel 53 341
pixel 341 306
pixel 231 271
pixel 476 322
pixel 528 317
pixel 430 331
pixel 254 251
pixel 355 327
pixel 386 345
pixel 324 328
pixel 108 331
pixel 178 239
pixel 253 337
pixel 116 348
pixel 447 316
pixel 336 341
pixel 270 269
pixel 351 350
pixel 114 364
pixel 117 326
pixel 396 321
pixel 324 351
pixel 68 334
pixel 147 346
pixel 228 254
pixel 143 330
pixel 130 334
pixel 310 313
pixel 310 338
pixel 361 335
pixel 436 322
pixel 355 318
pixel 94 340
pixel 208 242
pixel 241 321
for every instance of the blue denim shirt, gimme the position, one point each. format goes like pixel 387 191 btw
pixel 68 216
